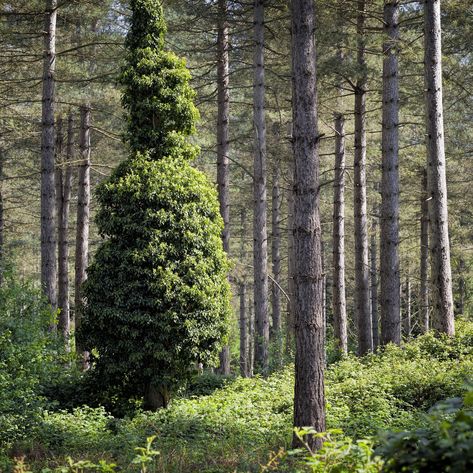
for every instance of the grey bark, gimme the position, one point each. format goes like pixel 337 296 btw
pixel 83 214
pixel 63 197
pixel 461 286
pixel 276 333
pixel 374 284
pixel 407 309
pixel 424 256
pixel 251 338
pixel 442 297
pixel 223 176
pixel 362 276
pixel 309 400
pixel 290 266
pixel 260 259
pixel 48 198
pixel 243 332
pixel 390 297
pixel 339 296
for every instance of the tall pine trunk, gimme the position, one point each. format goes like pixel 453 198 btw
pixel 442 297
pixel 390 297
pixel 374 283
pixel 243 331
pixel 276 333
pixel 290 265
pixel 260 260
pixel 83 214
pixel 362 273
pixel 309 400
pixel 424 256
pixel 48 198
pixel 63 197
pixel 339 296
pixel 223 176
pixel 2 219
pixel 407 309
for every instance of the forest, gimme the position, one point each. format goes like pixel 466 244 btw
pixel 236 236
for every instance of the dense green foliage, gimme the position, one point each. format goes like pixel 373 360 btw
pixel 157 294
pixel 238 425
pixel 28 358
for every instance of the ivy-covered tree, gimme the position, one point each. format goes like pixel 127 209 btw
pixel 157 297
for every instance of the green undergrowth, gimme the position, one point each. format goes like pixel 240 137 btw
pixel 238 426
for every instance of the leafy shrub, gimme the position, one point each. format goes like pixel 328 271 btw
pixel 444 445
pixel 30 356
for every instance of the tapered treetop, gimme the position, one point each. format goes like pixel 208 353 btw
pixel 157 93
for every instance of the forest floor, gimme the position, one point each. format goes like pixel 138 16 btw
pixel 239 426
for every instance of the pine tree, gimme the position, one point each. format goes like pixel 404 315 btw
pixel 157 292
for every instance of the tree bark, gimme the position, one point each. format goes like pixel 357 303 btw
pixel 259 225
pixel 63 196
pixel 223 176
pixel 390 297
pixel 290 266
pixel 251 338
pixel 339 296
pixel 243 332
pixel 83 213
pixel 2 220
pixel 374 285
pixel 48 198
pixel 156 397
pixel 424 256
pixel 442 297
pixel 309 400
pixel 276 333
pixel 362 276
pixel 407 309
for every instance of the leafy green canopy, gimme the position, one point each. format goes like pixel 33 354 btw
pixel 157 93
pixel 157 293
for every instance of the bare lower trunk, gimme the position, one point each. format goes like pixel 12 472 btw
pixel 156 397
pixel 48 198
pixel 339 297
pixel 442 297
pixel 223 176
pixel 407 309
pixel 389 253
pixel 461 286
pixel 276 334
pixel 259 225
pixel 243 332
pixel 83 213
pixel 374 284
pixel 309 400
pixel 424 256
pixel 362 273
pixel 251 338
pixel 63 197
pixel 290 266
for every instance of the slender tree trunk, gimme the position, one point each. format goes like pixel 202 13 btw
pixel 374 285
pixel 63 190
pixel 48 198
pixel 390 297
pixel 276 333
pixel 251 338
pixel 223 175
pixel 243 332
pixel 339 297
pixel 83 212
pixel 290 266
pixel 407 309
pixel 259 226
pixel 442 297
pixel 362 273
pixel 461 286
pixel 309 400
pixel 424 256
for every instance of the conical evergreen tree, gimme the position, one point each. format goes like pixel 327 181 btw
pixel 157 293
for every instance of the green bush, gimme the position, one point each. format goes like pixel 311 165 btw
pixel 444 445
pixel 30 357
